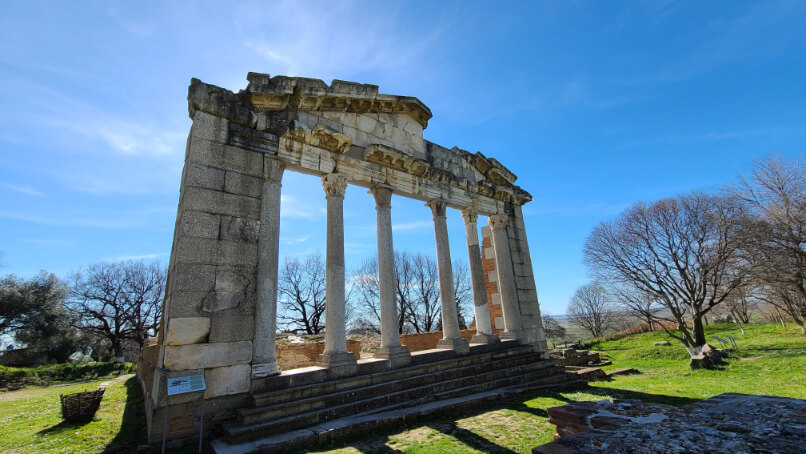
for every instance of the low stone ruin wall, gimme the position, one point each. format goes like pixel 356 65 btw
pixel 726 423
pixel 294 356
pixel 428 341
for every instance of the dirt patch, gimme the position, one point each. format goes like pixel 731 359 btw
pixel 750 358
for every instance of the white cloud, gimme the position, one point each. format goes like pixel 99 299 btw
pixel 125 258
pixel 293 208
pixel 412 225
pixel 135 28
pixel 23 189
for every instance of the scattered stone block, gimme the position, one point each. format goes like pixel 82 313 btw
pixel 662 344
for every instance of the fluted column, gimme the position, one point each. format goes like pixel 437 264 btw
pixel 484 329
pixel 264 360
pixel 390 337
pixel 335 357
pixel 450 321
pixel 506 277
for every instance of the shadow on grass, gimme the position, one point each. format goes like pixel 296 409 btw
pixel 132 427
pixel 626 394
pixel 471 439
pixel 63 426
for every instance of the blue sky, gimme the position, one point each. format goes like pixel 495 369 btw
pixel 594 105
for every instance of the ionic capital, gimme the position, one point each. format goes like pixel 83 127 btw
pixel 383 196
pixel 437 208
pixel 334 185
pixel 469 216
pixel 498 221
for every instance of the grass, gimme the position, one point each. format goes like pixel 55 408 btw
pixel 31 420
pixel 771 360
pixel 12 378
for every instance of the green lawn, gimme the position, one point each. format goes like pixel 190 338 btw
pixel 771 360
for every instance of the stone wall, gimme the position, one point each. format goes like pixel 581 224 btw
pixel 293 356
pixel 491 279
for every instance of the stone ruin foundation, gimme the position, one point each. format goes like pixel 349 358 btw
pixel 219 314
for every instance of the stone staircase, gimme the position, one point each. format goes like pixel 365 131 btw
pixel 303 407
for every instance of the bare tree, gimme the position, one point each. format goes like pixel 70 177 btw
pixel 683 252
pixel 462 291
pixel 416 292
pixel 776 239
pixel 591 310
pixel 641 305
pixel 118 301
pixel 552 327
pixel 301 293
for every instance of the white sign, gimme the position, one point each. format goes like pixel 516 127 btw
pixel 186 384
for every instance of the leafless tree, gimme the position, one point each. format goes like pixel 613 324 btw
pixel 641 305
pixel 591 310
pixel 552 327
pixel 416 291
pixel 463 292
pixel 118 301
pixel 684 252
pixel 775 192
pixel 301 293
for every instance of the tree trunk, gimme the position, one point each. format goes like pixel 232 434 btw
pixel 118 349
pixel 699 357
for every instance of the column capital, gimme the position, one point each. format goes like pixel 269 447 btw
pixel 498 221
pixel 273 170
pixel 469 215
pixel 383 196
pixel 437 208
pixel 334 185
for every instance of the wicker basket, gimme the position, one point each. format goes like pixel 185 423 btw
pixel 81 406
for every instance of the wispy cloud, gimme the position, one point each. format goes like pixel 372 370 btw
pixel 347 37
pixel 296 240
pixel 129 26
pixel 23 189
pixel 692 138
pixel 47 241
pixel 406 226
pixel 293 208
pixel 125 258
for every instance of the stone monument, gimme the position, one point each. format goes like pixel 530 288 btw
pixel 219 315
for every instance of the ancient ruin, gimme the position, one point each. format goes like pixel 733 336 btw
pixel 219 315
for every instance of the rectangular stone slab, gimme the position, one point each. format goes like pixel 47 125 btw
pixel 204 356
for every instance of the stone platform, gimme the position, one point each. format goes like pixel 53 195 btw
pixel 302 408
pixel 727 423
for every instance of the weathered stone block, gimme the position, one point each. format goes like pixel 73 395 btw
pixel 232 328
pixel 223 381
pixel 188 330
pixel 193 277
pixel 239 229
pixel 234 285
pixel 238 183
pixel 209 127
pixel 204 250
pixel 208 201
pixel 198 224
pixel 204 356
pixel 204 177
pixel 243 161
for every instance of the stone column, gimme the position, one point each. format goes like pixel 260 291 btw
pixel 264 361
pixel 450 321
pixel 390 338
pixel 336 358
pixel 506 277
pixel 484 329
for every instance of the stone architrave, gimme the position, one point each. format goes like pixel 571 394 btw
pixel 506 277
pixel 451 338
pixel 336 358
pixel 390 348
pixel 264 360
pixel 484 329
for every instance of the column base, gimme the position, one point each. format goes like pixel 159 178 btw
pixel 398 355
pixel 457 344
pixel 338 364
pixel 265 369
pixel 511 335
pixel 482 338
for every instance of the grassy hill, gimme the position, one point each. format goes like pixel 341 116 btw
pixel 771 360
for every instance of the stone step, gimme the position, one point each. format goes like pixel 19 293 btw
pixel 336 393
pixel 372 421
pixel 256 425
pixel 315 382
